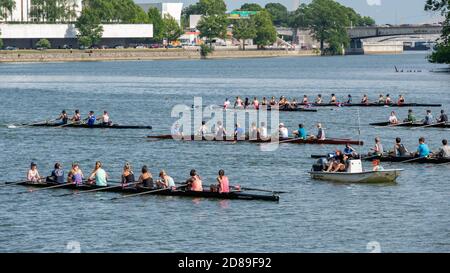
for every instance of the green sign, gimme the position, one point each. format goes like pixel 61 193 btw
pixel 242 14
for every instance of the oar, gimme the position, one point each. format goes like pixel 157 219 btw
pixel 262 190
pixel 30 124
pixel 95 190
pixel 48 188
pixel 429 125
pixel 138 194
pixel 399 124
pixel 414 159
pixel 64 125
pixel 11 183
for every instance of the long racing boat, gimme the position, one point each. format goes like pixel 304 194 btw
pixel 101 126
pixel 344 104
pixel 411 124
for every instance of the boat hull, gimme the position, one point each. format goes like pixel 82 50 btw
pixel 95 126
pixel 386 176
pixel 408 159
pixel 411 125
pixel 374 105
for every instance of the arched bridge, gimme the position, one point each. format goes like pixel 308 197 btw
pixel 379 31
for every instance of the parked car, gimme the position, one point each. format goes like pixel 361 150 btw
pixel 11 48
pixel 119 47
pixel 155 45
pixel 139 46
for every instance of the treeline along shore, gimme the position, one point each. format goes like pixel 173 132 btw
pixel 76 55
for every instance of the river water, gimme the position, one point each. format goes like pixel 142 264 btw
pixel 410 216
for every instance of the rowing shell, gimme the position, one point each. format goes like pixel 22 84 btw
pixel 374 105
pixel 101 126
pixel 406 159
pixel 168 192
pixel 330 141
pixel 407 124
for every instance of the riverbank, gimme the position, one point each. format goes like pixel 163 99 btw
pixel 136 54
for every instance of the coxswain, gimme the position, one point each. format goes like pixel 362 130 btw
pixel 443 118
pixel 90 119
pixel 318 99
pixel 349 99
pixel 255 103
pixel 145 179
pixel 349 151
pixel 300 132
pixel 194 182
pixel 75 175
pixel 333 99
pixel 411 117
pixel 226 104
pixel 401 100
pixel 76 118
pixel 223 185
pixel 393 118
pixel 253 133
pixel 388 99
pixel 57 175
pixel 127 175
pixel 262 131
pixel 165 181
pixel 381 99
pixel 400 149
pixel 422 150
pixel 283 131
pixel 203 130
pixel 105 119
pixel 376 165
pixel 365 99
pixel 238 103
pixel 305 99
pixel 428 120
pixel 444 150
pixel 33 174
pixel 220 131
pixel 63 117
pixel 98 176
pixel 378 148
pixel 239 132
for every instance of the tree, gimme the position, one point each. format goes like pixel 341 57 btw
pixel 251 7
pixel 171 30
pixel 117 11
pixel 6 8
pixel 43 43
pixel 441 54
pixel 53 10
pixel 212 7
pixel 155 18
pixel 279 13
pixel 266 34
pixel 89 28
pixel 214 22
pixel 193 9
pixel 244 29
pixel 1 43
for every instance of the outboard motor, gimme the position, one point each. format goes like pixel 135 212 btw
pixel 320 165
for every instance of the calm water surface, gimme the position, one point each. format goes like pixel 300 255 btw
pixel 411 216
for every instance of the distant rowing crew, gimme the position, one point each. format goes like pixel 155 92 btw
pixel 411 118
pixel 99 177
pixel 400 150
pixel 89 120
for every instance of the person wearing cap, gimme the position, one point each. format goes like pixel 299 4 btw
pixel 63 117
pixel 411 117
pixel 76 118
pixel 98 176
pixel 428 120
pixel 33 174
pixel 301 132
pixel 443 118
pixel 283 131
pixel 376 166
pixel 57 175
pixel 194 182
pixel 90 119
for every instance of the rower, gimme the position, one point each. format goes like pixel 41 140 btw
pixel 76 118
pixel 75 175
pixel 283 131
pixel 378 148
pixel 220 131
pixel 349 151
pixel 223 184
pixel 264 101
pixel 203 130
pixel 262 131
pixel 318 99
pixel 194 182
pixel 63 117
pixel 282 102
pixel 273 102
pixel 305 99
pixel 57 175
pixel 294 104
pixel 333 99
pixel 443 117
pixel 349 99
pixel 176 131
pixel 98 176
pixel 165 181
pixel 105 119
pixel 381 99
pixel 393 118
pixel 246 103
pixel 320 132
pixel 253 133
pixel 145 179
pixel 399 149
pixel 33 174
pixel 338 162
pixel 411 117
pixel 428 118
pixel 376 166
pixel 401 100
pixel 255 103
pixel 91 118
pixel 300 132
pixel 238 103
pixel 226 104
pixel 365 99
pixel 422 150
pixel 444 151
pixel 238 132
pixel 388 99
pixel 127 175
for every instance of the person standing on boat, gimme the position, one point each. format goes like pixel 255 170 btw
pixel 99 177
pixel 283 131
pixel 127 175
pixel 76 118
pixel 75 175
pixel 423 150
pixel 33 174
pixel 399 149
pixel 301 132
pixel 105 119
pixel 378 148
pixel 444 151
pixel 194 183
pixel 262 131
pixel 401 100
pixel 318 99
pixel 411 117
pixel 393 118
pixel 226 104
pixel 349 99
pixel 63 117
pixel 365 100
pixel 443 118
pixel 223 184
pixel 388 100
pixel 145 179
pixel 165 181
pixel 428 120
pixel 57 175
pixel 90 119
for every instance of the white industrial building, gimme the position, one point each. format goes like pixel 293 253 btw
pixel 172 9
pixel 21 12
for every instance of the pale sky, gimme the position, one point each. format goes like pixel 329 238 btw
pixel 383 11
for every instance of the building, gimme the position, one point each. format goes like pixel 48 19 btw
pixel 21 12
pixel 172 9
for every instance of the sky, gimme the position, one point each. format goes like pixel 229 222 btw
pixel 383 11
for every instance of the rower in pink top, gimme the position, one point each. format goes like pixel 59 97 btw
pixel 224 185
pixel 194 182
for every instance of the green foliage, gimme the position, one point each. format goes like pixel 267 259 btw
pixel 188 11
pixel 213 26
pixel 89 28
pixel 118 11
pixel 251 7
pixel 155 18
pixel 212 7
pixel 442 51
pixel 170 29
pixel 53 10
pixel 205 50
pixel 6 8
pixel 244 29
pixel 279 13
pixel 441 54
pixel 266 33
pixel 1 43
pixel 43 43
